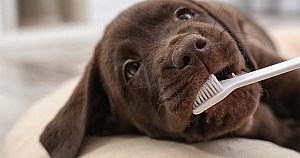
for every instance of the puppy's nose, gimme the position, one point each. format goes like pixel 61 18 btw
pixel 187 50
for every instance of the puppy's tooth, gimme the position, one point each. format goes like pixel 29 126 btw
pixel 233 74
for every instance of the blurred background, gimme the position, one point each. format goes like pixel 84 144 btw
pixel 44 42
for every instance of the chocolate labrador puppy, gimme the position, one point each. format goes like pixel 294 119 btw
pixel 149 66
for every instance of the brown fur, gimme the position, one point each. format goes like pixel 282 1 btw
pixel 158 99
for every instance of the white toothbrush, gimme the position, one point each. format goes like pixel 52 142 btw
pixel 214 91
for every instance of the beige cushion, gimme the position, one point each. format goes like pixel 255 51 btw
pixel 287 40
pixel 23 140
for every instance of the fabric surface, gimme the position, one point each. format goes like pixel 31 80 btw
pixel 23 140
pixel 287 40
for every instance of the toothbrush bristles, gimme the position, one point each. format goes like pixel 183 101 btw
pixel 210 88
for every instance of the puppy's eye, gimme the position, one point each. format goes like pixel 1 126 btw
pixel 184 14
pixel 131 68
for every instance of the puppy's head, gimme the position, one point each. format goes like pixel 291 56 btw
pixel 147 71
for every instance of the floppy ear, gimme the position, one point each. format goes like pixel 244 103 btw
pixel 88 104
pixel 242 28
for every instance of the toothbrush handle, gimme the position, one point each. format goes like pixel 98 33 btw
pixel 263 73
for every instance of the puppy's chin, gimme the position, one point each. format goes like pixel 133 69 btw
pixel 227 116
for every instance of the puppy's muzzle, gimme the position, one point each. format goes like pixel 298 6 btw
pixel 188 50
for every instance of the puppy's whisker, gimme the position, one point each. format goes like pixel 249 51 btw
pixel 244 45
pixel 142 87
pixel 234 41
pixel 165 99
pixel 158 110
pixel 256 47
pixel 218 14
pixel 264 91
pixel 228 146
pixel 222 42
pixel 251 36
pixel 233 136
pixel 266 122
pixel 219 146
pixel 170 85
pixel 221 33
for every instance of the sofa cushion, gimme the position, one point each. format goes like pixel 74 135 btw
pixel 23 139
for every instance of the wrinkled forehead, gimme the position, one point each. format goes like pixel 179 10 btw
pixel 146 18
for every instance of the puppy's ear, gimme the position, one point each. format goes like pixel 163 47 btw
pixel 88 104
pixel 241 27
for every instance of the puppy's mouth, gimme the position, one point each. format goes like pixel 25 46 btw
pixel 204 93
pixel 222 118
pixel 228 72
